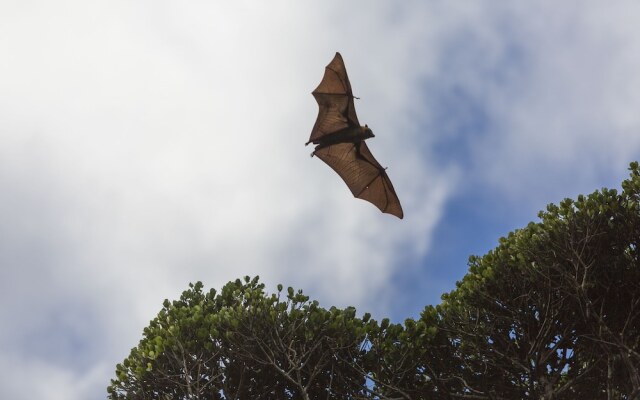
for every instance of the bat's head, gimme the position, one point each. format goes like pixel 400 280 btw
pixel 366 132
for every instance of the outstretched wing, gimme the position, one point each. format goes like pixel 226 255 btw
pixel 364 176
pixel 335 101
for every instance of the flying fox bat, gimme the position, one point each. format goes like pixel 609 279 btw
pixel 340 141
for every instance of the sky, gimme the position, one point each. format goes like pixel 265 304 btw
pixel 145 145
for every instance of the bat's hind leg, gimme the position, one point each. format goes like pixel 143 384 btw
pixel 318 147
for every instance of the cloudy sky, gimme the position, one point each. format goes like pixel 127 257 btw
pixel 145 145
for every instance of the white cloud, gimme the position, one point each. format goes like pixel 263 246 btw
pixel 31 378
pixel 559 86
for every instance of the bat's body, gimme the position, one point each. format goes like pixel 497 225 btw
pixel 340 141
pixel 346 135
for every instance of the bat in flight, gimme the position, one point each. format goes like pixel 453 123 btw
pixel 340 141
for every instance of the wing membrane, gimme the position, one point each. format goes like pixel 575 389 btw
pixel 335 101
pixel 362 173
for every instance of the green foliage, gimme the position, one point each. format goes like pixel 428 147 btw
pixel 553 312
pixel 245 343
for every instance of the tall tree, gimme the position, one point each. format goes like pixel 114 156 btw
pixel 553 312
pixel 243 343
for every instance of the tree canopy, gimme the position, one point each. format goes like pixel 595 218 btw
pixel 553 312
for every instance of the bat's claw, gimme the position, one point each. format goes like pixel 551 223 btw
pixel 313 153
